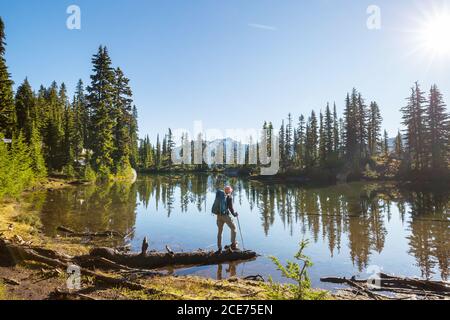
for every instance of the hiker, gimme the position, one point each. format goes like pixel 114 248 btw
pixel 223 207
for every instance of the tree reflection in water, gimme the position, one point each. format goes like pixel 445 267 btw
pixel 359 212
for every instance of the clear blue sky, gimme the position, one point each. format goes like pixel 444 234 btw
pixel 232 64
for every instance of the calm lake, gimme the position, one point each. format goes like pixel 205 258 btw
pixel 353 229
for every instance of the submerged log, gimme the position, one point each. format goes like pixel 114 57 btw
pixel 159 259
pixel 103 234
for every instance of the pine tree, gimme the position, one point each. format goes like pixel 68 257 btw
pixel 81 122
pixel 361 126
pixel 301 141
pixel 438 132
pixel 385 143
pixel 26 115
pixel 101 104
pixel 52 127
pixel 351 131
pixel 399 145
pixel 158 151
pixel 328 131
pixel 20 165
pixel 5 171
pixel 37 158
pixel 123 114
pixel 170 145
pixel 7 112
pixel 322 141
pixel 336 133
pixel 66 148
pixel 374 127
pixel 134 137
pixel 282 141
pixel 288 139
pixel 413 120
pixel 269 138
pixel 312 139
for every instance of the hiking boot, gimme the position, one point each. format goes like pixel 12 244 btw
pixel 218 251
pixel 234 247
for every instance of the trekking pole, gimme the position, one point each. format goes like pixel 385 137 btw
pixel 240 231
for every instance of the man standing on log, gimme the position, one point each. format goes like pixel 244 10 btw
pixel 223 207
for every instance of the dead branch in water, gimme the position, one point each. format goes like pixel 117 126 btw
pixel 103 234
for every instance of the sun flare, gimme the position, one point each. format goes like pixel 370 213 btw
pixel 434 35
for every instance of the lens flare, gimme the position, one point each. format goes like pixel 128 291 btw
pixel 434 35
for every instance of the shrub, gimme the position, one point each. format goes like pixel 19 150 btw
pixel 301 290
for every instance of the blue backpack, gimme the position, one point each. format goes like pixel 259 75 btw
pixel 220 203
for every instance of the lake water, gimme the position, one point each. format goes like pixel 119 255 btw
pixel 353 229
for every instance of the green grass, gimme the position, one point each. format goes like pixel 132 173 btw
pixel 3 295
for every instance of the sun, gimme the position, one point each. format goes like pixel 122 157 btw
pixel 434 34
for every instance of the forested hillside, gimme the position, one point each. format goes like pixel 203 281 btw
pixel 91 136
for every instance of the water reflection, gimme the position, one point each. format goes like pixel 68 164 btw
pixel 358 221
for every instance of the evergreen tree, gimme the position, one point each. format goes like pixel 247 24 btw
pixel 7 112
pixel 134 137
pixel 351 131
pixel 170 145
pixel 413 120
pixel 288 139
pixel 123 121
pixel 101 104
pixel 37 158
pixel 385 143
pixel 438 132
pixel 282 141
pixel 399 145
pixel 322 141
pixel 269 138
pixel 26 115
pixel 336 133
pixel 300 152
pixel 69 132
pixel 328 131
pixel 361 126
pixel 5 172
pixel 374 127
pixel 81 122
pixel 20 165
pixel 312 139
pixel 52 127
pixel 158 152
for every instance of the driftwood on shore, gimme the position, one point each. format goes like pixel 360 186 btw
pixel 397 285
pixel 154 260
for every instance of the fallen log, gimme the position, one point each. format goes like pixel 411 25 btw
pixel 15 254
pixel 154 260
pixel 102 234
pixel 395 284
pixel 67 295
